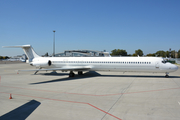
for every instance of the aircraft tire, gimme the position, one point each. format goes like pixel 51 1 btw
pixel 166 76
pixel 80 73
pixel 71 74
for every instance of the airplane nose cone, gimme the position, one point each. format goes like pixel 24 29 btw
pixel 174 67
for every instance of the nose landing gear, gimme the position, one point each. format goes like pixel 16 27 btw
pixel 167 75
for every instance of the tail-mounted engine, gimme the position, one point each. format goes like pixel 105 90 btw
pixel 41 63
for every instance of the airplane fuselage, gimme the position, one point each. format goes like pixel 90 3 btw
pixel 80 64
pixel 122 64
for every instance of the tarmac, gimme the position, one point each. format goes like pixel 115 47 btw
pixel 92 96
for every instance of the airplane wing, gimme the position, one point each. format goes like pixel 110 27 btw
pixel 65 68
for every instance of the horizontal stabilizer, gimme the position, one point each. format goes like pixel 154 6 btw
pixel 28 50
pixel 21 46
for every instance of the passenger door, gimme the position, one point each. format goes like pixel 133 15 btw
pixel 157 65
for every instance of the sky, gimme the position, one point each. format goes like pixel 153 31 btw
pixel 149 25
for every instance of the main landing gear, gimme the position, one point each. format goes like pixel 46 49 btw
pixel 167 75
pixel 71 74
pixel 80 72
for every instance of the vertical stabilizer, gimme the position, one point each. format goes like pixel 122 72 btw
pixel 28 50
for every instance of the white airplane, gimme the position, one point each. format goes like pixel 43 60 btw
pixel 80 64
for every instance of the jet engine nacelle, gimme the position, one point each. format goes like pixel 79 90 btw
pixel 41 63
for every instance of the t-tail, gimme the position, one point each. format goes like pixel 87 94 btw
pixel 30 53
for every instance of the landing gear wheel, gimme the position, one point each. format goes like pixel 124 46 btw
pixel 166 76
pixel 80 73
pixel 71 74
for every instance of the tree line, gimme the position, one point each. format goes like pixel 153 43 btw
pixel 4 57
pixel 160 53
pixel 121 52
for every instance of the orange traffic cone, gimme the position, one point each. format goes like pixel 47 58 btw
pixel 10 96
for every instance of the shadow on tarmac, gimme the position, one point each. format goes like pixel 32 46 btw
pixel 53 74
pixel 92 74
pixel 85 75
pixel 22 112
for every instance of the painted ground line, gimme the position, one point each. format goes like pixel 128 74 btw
pixel 65 101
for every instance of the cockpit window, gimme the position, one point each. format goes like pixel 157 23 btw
pixel 164 61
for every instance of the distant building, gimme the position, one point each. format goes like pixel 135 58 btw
pixel 18 58
pixel 176 54
pixel 83 53
pixel 23 56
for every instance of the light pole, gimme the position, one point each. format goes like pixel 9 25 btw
pixel 170 53
pixel 54 44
